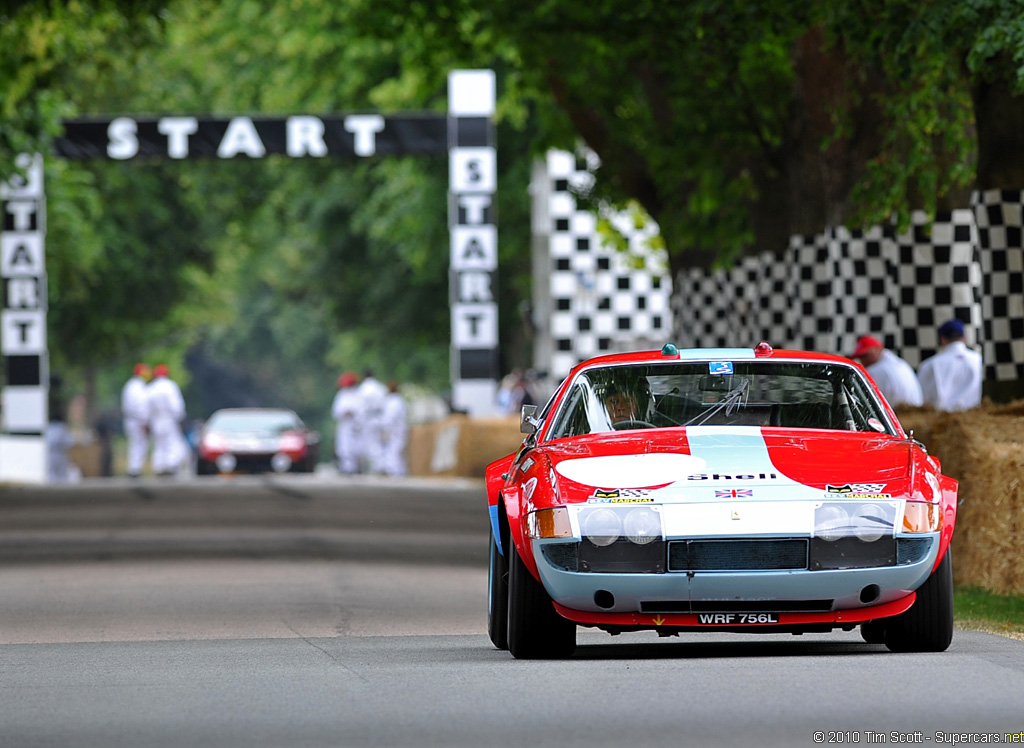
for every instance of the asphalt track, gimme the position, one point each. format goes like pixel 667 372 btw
pixel 317 611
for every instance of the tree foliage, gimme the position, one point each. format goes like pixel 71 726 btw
pixel 733 123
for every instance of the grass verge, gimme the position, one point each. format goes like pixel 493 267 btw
pixel 978 609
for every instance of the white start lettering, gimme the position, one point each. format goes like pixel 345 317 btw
pixel 305 135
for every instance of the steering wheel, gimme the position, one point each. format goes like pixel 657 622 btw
pixel 632 423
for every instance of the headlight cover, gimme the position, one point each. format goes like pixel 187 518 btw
pixel 866 521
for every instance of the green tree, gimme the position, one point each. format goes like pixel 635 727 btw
pixel 734 123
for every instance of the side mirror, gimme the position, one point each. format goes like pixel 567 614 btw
pixel 528 422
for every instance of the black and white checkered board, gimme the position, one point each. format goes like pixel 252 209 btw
pixel 998 214
pixel 827 290
pixel 821 293
pixel 599 300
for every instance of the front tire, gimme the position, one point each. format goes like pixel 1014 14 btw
pixel 873 632
pixel 927 626
pixel 535 630
pixel 497 590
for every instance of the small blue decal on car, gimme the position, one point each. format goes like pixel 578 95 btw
pixel 720 367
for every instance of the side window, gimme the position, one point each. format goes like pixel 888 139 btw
pixel 573 419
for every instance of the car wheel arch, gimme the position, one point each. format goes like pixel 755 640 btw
pixel 500 529
pixel 512 506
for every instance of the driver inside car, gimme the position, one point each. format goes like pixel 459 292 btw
pixel 620 405
pixel 626 401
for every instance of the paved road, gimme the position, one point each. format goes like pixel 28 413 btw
pixel 318 612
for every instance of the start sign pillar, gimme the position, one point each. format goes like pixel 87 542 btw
pixel 466 131
pixel 24 408
pixel 472 170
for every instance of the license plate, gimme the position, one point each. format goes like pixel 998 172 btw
pixel 717 619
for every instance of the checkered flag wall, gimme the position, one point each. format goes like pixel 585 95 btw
pixel 590 299
pixel 820 293
pixel 826 290
pixel 998 214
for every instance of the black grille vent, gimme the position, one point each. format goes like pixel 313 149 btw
pixel 737 555
pixel 912 550
pixel 562 555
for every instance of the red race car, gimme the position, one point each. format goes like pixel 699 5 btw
pixel 721 489
pixel 256 440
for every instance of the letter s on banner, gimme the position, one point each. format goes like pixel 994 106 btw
pixel 123 141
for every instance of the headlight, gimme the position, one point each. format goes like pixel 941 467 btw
pixel 214 441
pixel 871 522
pixel 867 522
pixel 642 526
pixel 602 527
pixel 920 516
pixel 831 522
pixel 291 442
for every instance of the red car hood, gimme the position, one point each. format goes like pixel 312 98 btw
pixel 769 461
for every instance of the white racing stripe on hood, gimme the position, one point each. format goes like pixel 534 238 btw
pixel 630 471
pixel 721 457
pixel 730 450
pixel 726 487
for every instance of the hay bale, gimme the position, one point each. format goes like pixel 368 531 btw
pixel 485 440
pixel 460 446
pixel 984 449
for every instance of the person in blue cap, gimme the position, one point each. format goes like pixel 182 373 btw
pixel 951 379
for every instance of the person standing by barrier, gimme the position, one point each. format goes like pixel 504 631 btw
pixel 395 431
pixel 59 440
pixel 894 376
pixel 166 415
pixel 371 409
pixel 951 379
pixel 345 411
pixel 135 416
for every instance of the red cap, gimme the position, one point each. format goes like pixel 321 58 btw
pixel 160 370
pixel 865 344
pixel 141 370
pixel 347 379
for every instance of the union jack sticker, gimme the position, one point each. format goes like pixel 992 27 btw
pixel 734 493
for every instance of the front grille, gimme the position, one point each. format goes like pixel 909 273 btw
pixel 912 550
pixel 562 555
pixel 737 555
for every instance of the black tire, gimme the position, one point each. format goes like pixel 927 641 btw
pixel 873 632
pixel 205 468
pixel 927 626
pixel 497 591
pixel 535 630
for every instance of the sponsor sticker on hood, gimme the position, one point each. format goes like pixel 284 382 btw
pixel 857 491
pixel 621 496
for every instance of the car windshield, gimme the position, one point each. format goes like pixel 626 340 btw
pixel 274 422
pixel 788 394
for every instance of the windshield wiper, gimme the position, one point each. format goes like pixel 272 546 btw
pixel 730 402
